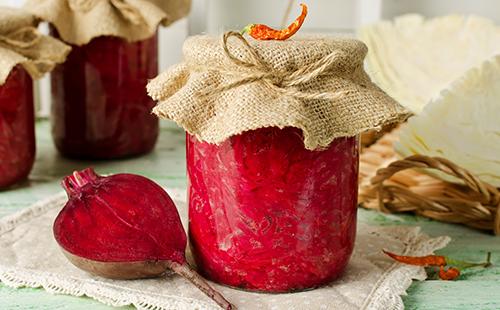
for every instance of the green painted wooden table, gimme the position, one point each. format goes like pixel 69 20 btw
pixel 477 289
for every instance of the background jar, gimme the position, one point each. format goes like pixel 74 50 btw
pixel 100 108
pixel 17 127
pixel 266 214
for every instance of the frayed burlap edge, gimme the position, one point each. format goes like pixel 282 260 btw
pixel 317 85
pixel 21 44
pixel 80 21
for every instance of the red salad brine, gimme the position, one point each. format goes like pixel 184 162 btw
pixel 99 104
pixel 267 214
pixel 17 132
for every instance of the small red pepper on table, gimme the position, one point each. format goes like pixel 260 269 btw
pixel 454 266
pixel 263 32
pixel 429 260
pixel 448 274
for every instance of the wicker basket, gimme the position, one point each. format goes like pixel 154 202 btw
pixel 392 185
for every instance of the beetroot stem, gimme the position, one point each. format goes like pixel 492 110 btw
pixel 68 186
pixel 186 272
pixel 81 178
pixel 77 180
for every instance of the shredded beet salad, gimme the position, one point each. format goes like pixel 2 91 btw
pixel 266 214
pixel 100 107
pixel 17 132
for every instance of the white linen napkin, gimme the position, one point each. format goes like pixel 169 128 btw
pixel 30 257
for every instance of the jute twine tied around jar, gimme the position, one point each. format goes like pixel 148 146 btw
pixel 400 186
pixel 316 84
pixel 79 21
pixel 21 43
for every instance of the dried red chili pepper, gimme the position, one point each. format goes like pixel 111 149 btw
pixel 263 32
pixel 429 260
pixel 448 274
pixel 451 273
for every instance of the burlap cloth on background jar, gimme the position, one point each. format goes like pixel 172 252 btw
pixel 79 21
pixel 22 44
pixel 317 84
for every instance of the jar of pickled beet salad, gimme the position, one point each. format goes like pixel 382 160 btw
pixel 17 127
pixel 272 154
pixel 100 108
pixel 22 52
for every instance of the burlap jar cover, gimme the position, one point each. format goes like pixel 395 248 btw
pixel 21 44
pixel 229 86
pixel 79 21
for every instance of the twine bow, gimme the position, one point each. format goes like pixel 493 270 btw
pixel 128 11
pixel 285 82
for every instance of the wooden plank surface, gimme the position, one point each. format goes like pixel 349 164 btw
pixel 477 289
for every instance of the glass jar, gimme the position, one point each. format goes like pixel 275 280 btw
pixel 17 127
pixel 100 107
pixel 266 214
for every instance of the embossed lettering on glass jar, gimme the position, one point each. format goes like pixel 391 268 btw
pixel 267 214
pixel 272 154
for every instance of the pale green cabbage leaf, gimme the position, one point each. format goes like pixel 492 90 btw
pixel 413 59
pixel 462 124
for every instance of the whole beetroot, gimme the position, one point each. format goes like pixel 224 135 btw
pixel 124 226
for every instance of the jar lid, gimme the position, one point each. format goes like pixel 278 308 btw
pixel 316 84
pixel 79 21
pixel 21 43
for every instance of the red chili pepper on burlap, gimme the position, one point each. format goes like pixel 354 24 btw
pixel 263 32
pixel 450 273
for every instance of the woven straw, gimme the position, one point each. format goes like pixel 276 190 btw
pixel 315 84
pixel 395 185
pixel 22 44
pixel 79 21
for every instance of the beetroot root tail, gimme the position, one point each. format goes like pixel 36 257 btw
pixel 192 276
